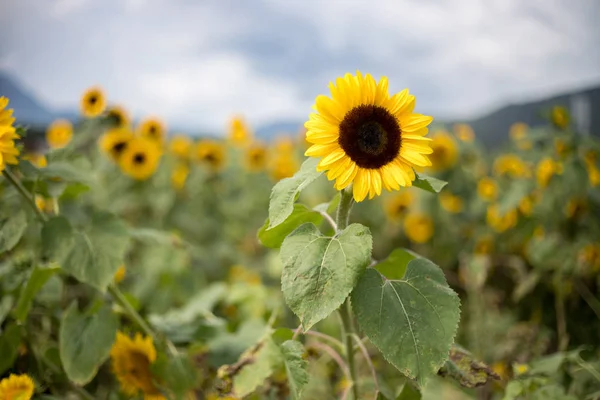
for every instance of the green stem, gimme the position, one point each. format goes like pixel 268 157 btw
pixel 130 311
pixel 342 218
pixel 24 193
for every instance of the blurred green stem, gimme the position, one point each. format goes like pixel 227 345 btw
pixel 24 193
pixel 120 298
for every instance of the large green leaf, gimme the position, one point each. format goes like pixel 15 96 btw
pixel 295 366
pixel 319 272
pixel 92 255
pixel 177 373
pixel 9 346
pixel 412 320
pixel 11 229
pixel 85 341
pixel 274 237
pixel 428 183
pixel 37 279
pixel 284 193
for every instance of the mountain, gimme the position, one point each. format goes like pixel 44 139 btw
pixel 272 130
pixel 26 108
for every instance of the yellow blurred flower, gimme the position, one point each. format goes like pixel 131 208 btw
pixel 526 206
pixel 487 189
pixel 114 142
pixel 484 245
pixel 397 205
pixel 560 117
pixel 500 369
pixel 131 362
pixel 451 203
pixel 59 133
pixel 180 146
pixel 593 175
pixel 43 204
pixel 118 116
pixel 211 152
pixel 518 131
pixel 140 158
pixel 546 169
pixel 284 145
pixel 255 158
pixel 8 135
pixel 120 274
pixel 574 207
pixel 179 176
pixel 539 232
pixel 418 227
pixel 464 132
pixel 511 165
pixel 590 157
pixel 590 256
pixel 16 387
pixel 498 222
pixel 239 273
pixel 283 166
pixel 153 128
pixel 561 147
pixel 36 159
pixel 520 369
pixel 93 102
pixel 239 133
pixel 445 151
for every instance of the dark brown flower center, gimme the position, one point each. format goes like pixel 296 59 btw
pixel 118 147
pixel 370 136
pixel 93 99
pixel 139 158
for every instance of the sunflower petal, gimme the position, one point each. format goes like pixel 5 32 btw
pixel 346 177
pixel 415 122
pixel 360 188
pixel 320 150
pixel 397 101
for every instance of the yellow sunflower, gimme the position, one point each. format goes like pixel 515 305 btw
pixel 464 132
pixel 255 158
pixel 511 165
pixel 131 361
pixel 283 166
pixel 120 274
pixel 284 145
pixel 118 116
pixel 396 207
pixel 8 135
pixel 211 153
pixel 179 176
pixel 561 147
pixel 526 206
pixel 37 159
pixel 593 175
pixel 498 222
pixel 484 245
pixel 153 128
pixel 518 131
pixel 445 151
pixel 16 387
pixel 560 117
pixel 367 137
pixel 239 134
pixel 242 274
pixel 418 227
pixel 546 169
pixel 59 134
pixel 487 189
pixel 180 146
pixel 114 142
pixel 140 158
pixel 93 102
pixel 451 203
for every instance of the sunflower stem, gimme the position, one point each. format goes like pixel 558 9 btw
pixel 120 298
pixel 347 329
pixel 24 193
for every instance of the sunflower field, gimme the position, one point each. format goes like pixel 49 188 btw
pixel 374 254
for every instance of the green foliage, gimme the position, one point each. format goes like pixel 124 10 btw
pixel 295 366
pixel 428 183
pixel 12 228
pixel 273 237
pixel 10 339
pixel 37 279
pixel 466 370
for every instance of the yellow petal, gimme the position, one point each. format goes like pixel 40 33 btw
pixel 387 174
pixel 360 188
pixel 407 108
pixel 414 158
pixel 397 101
pixel 382 93
pixel 423 148
pixel 329 109
pixel 346 177
pixel 338 168
pixel 331 158
pixel 415 122
pixel 320 150
pixel 322 137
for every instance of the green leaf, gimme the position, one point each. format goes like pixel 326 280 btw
pixel 37 279
pixel 274 237
pixel 6 303
pixel 11 229
pixel 428 183
pixel 155 237
pixel 177 373
pixel 394 267
pixel 409 392
pixel 468 372
pixel 295 366
pixel 284 193
pixel 9 346
pixel 92 255
pixel 412 321
pixel 85 341
pixel 319 272
pixel 78 170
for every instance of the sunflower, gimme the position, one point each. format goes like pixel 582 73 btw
pixel 239 133
pixel 8 135
pixel 484 245
pixel 560 117
pixel 418 227
pixel 153 128
pixel 464 132
pixel 93 102
pixel 211 153
pixel 283 166
pixel 511 165
pixel 180 146
pixel 451 203
pixel 16 387
pixel 131 361
pixel 59 134
pixel 114 142
pixel 518 131
pixel 593 175
pixel 120 274
pixel 140 158
pixel 487 189
pixel 444 151
pixel 546 169
pixel 117 116
pixel 255 158
pixel 284 145
pixel 575 207
pixel 43 204
pixel 498 222
pixel 367 137
pixel 589 255
pixel 242 274
pixel 397 205
pixel 526 206
pixel 37 159
pixel 179 176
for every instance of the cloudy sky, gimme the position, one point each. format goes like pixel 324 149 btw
pixel 197 62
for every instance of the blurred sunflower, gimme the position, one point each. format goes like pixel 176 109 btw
pixel 255 158
pixel 445 151
pixel 575 207
pixel 484 245
pixel 284 145
pixel 560 117
pixel 499 222
pixel 561 147
pixel 140 158
pixel 211 153
pixel 179 176
pixel 589 255
pixel 180 146
pixel 59 133
pixel 120 274
pixel 131 361
pixel 593 175
pixel 546 169
pixel 239 134
pixel 464 132
pixel 526 206
pixel 367 137
pixel 114 142
pixel 93 102
pixel 117 116
pixel 43 204
pixel 451 203
pixel 8 135
pixel 283 166
pixel 16 387
pixel 511 165
pixel 397 205
pixel 37 159
pixel 487 189
pixel 518 131
pixel 418 227
pixel 152 128
pixel 239 273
